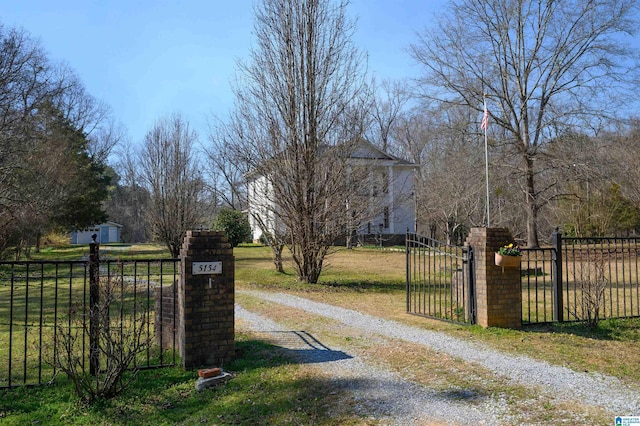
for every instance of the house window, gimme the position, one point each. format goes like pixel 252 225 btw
pixel 385 217
pixel 380 183
pixel 385 181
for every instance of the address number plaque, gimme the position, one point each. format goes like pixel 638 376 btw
pixel 206 268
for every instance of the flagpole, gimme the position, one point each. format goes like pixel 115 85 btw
pixel 484 125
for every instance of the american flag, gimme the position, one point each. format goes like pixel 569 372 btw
pixel 485 117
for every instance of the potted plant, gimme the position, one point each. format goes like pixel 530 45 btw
pixel 508 256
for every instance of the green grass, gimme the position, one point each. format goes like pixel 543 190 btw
pixel 617 330
pixel 362 269
pixel 61 253
pixel 270 389
pixel 107 251
pixel 267 389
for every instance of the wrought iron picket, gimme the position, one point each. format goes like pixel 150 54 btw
pixel 39 299
pixel 439 281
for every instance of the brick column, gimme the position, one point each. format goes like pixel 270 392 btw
pixel 206 300
pixel 498 290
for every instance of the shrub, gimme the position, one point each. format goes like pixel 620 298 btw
pixel 592 282
pixel 121 335
pixel 235 225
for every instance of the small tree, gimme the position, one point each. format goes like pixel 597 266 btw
pixel 235 225
pixel 121 336
pixel 592 282
pixel 172 176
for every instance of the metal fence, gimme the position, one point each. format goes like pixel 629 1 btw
pixel 439 280
pixel 538 278
pixel 576 279
pixel 579 278
pixel 41 300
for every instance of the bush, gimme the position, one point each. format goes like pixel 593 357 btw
pixel 120 336
pixel 591 280
pixel 235 225
pixel 55 239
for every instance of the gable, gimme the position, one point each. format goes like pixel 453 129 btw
pixel 369 152
pixel 365 150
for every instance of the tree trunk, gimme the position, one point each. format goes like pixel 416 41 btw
pixel 277 256
pixel 532 206
pixel 174 249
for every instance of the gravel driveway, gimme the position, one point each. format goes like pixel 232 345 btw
pixel 387 397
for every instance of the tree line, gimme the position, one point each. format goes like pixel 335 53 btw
pixel 558 79
pixel 66 164
pixel 54 141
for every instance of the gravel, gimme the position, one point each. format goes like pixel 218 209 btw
pixel 405 401
pixel 378 394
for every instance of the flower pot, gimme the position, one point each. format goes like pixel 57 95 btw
pixel 507 261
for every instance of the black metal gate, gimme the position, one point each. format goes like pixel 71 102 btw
pixel 440 280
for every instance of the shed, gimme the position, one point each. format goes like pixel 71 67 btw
pixel 108 232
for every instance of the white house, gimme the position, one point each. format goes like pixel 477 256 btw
pixel 388 193
pixel 108 232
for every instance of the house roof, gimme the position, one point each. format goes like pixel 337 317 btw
pixel 367 150
pixel 362 150
pixel 107 223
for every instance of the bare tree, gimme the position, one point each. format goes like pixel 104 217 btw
pixel 449 183
pixel 129 200
pixel 119 340
pixel 228 177
pixel 295 101
pixel 89 115
pixel 227 171
pixel 624 151
pixel 591 282
pixel 173 179
pixel 545 67
pixel 50 175
pixel 388 103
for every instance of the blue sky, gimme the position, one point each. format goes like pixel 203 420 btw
pixel 149 58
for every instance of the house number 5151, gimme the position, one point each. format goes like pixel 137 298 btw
pixel 206 268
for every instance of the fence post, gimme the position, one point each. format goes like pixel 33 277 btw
pixel 498 290
pixel 558 304
pixel 408 271
pixel 94 299
pixel 471 287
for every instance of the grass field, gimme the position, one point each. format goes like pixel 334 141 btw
pixel 611 348
pixel 269 389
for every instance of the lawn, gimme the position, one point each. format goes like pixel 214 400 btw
pixel 610 349
pixel 268 388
